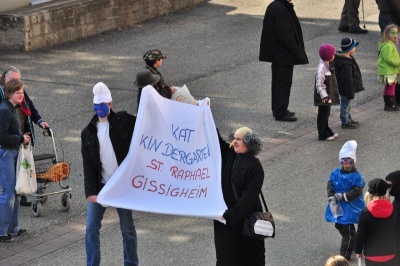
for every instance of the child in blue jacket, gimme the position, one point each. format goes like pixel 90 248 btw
pixel 345 186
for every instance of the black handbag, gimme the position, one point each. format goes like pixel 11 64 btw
pixel 258 225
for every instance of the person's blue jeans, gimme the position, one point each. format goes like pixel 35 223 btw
pixel 94 216
pixel 9 201
pixel 345 115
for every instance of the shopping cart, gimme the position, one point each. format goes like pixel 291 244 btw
pixel 50 170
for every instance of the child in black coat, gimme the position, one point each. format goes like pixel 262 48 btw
pixel 376 227
pixel 349 80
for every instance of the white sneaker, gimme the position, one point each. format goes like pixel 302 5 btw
pixel 335 135
pixel 330 138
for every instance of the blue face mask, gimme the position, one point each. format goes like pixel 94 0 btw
pixel 101 109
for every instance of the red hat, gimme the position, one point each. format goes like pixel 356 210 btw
pixel 326 52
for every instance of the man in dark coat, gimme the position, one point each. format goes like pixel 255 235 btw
pixel 105 144
pixel 349 20
pixel 389 13
pixel 282 44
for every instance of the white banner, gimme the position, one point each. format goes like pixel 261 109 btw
pixel 174 161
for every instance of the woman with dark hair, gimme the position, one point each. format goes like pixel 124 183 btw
pixel 10 139
pixel 27 112
pixel 242 179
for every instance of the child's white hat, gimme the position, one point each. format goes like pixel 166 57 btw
pixel 348 150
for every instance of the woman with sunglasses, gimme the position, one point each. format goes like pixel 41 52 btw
pixel 345 186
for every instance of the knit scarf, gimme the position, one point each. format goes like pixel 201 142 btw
pixel 25 108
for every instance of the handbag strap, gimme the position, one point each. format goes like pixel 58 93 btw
pixel 263 200
pixel 237 198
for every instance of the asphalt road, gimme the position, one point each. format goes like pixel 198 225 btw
pixel 213 49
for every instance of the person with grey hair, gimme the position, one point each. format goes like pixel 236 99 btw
pixel 242 178
pixel 27 112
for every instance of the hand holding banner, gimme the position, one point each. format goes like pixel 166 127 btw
pixel 174 162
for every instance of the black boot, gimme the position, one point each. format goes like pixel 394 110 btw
pixel 397 94
pixel 25 201
pixel 392 103
pixel 387 105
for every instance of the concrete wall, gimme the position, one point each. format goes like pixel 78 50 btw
pixel 61 21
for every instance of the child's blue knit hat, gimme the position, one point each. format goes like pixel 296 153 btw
pixel 347 44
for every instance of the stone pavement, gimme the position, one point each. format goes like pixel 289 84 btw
pixel 294 140
pixel 74 231
pixel 50 241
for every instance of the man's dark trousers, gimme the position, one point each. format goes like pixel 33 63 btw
pixel 349 17
pixel 280 89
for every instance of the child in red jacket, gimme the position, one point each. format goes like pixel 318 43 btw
pixel 376 227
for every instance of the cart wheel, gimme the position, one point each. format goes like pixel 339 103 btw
pixel 65 202
pixel 43 199
pixel 37 208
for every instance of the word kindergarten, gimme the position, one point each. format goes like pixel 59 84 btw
pixel 174 162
